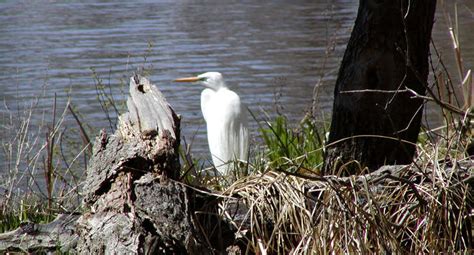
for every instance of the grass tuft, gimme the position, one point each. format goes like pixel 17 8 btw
pixel 293 149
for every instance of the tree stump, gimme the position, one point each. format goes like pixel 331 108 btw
pixel 133 204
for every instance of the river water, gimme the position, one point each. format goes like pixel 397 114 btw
pixel 268 51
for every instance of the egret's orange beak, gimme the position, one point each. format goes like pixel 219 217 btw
pixel 188 79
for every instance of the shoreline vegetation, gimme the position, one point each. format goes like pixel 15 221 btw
pixel 426 206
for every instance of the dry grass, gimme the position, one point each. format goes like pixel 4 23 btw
pixel 39 177
pixel 411 210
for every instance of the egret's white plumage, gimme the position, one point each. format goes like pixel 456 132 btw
pixel 226 120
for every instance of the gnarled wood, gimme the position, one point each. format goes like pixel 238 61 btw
pixel 133 206
pixel 60 234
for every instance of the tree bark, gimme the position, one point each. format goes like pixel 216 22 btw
pixel 133 203
pixel 375 119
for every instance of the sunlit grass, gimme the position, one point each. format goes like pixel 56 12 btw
pixel 293 148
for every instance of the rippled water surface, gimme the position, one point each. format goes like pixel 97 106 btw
pixel 267 51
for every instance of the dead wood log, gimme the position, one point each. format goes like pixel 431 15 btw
pixel 133 204
pixel 60 234
pixel 132 201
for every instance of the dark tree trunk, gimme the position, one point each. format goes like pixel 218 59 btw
pixel 387 52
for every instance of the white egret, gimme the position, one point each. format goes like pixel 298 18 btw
pixel 226 120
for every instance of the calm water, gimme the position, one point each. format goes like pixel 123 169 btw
pixel 267 50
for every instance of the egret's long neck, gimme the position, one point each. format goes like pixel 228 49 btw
pixel 217 85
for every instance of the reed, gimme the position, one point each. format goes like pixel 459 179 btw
pixel 39 177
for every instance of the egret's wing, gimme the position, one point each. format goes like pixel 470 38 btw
pixel 244 135
pixel 207 96
pixel 227 129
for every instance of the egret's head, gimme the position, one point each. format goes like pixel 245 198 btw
pixel 212 80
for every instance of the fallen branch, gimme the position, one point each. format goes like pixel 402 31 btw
pixel 60 234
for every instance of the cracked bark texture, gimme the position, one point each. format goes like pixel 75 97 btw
pixel 387 51
pixel 133 203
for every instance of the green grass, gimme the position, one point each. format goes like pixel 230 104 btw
pixel 29 209
pixel 293 149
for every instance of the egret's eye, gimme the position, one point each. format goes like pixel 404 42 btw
pixel 203 79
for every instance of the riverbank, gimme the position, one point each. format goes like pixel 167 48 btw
pixel 425 206
pixel 288 206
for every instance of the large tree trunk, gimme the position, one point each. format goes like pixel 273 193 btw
pixel 375 120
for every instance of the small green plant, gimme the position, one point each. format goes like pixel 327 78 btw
pixel 29 209
pixel 293 149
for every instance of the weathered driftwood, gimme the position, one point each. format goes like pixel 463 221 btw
pixel 133 204
pixel 29 237
pixel 132 201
